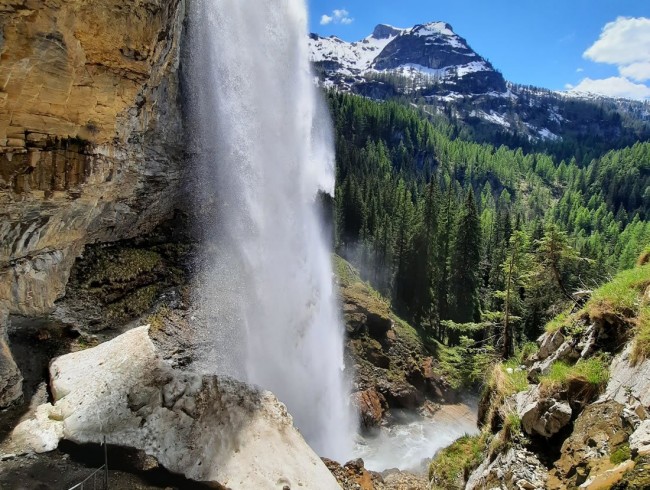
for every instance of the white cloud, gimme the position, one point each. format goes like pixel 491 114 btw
pixel 636 71
pixel 624 43
pixel 613 87
pixel 579 70
pixel 339 16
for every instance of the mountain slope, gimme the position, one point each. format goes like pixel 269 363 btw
pixel 422 55
pixel 432 66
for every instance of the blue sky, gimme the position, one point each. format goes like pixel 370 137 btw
pixel 537 42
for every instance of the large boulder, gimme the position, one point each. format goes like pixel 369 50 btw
pixel 540 415
pixel 628 382
pixel 208 428
pixel 371 406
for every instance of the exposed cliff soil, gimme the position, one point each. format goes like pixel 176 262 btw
pixel 394 366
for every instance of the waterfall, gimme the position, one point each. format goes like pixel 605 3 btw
pixel 262 143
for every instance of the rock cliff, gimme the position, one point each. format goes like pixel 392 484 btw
pixel 91 141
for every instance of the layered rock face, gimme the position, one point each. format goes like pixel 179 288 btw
pixel 91 141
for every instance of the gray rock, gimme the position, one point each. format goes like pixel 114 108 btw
pixel 512 469
pixel 208 428
pixel 549 343
pixel 628 384
pixel 542 416
pixel 640 438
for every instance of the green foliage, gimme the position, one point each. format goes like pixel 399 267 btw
pixel 621 454
pixel 593 371
pixel 451 466
pixel 465 365
pixel 622 294
pixel 558 322
pixel 526 351
pixel 127 265
pixel 449 229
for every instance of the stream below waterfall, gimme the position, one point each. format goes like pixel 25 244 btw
pixel 411 441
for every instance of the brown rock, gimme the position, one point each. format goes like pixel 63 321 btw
pixel 371 407
pixel 597 433
pixel 91 142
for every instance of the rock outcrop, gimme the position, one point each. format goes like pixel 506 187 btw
pixel 542 416
pixel 207 428
pixel 393 368
pixel 515 469
pixel 91 141
pixel 583 403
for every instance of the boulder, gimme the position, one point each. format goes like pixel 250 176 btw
pixel 370 406
pixel 640 438
pixel 542 416
pixel 354 476
pixel 208 428
pixel 598 432
pixel 549 343
pixel 628 383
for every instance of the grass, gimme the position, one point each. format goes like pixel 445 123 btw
pixel 593 371
pixel 451 465
pixel 622 295
pixel 558 322
pixel 509 378
pixel 621 454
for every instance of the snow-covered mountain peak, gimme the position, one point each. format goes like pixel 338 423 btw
pixel 436 28
pixel 425 54
pixel 385 31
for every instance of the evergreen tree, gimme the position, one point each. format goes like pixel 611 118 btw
pixel 464 264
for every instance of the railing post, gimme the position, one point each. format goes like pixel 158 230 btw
pixel 105 465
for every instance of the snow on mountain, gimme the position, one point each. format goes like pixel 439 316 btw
pixel 430 50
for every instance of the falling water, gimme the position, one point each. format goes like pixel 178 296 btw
pixel 263 144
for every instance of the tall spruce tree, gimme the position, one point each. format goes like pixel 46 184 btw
pixel 464 264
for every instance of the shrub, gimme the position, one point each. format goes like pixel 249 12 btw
pixel 451 466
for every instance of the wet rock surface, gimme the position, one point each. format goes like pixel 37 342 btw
pixel 209 429
pixel 393 367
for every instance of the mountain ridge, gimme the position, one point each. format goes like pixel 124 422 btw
pixel 433 67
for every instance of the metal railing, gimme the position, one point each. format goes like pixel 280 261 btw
pixel 98 479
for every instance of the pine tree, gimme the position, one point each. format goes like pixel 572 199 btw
pixel 464 264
